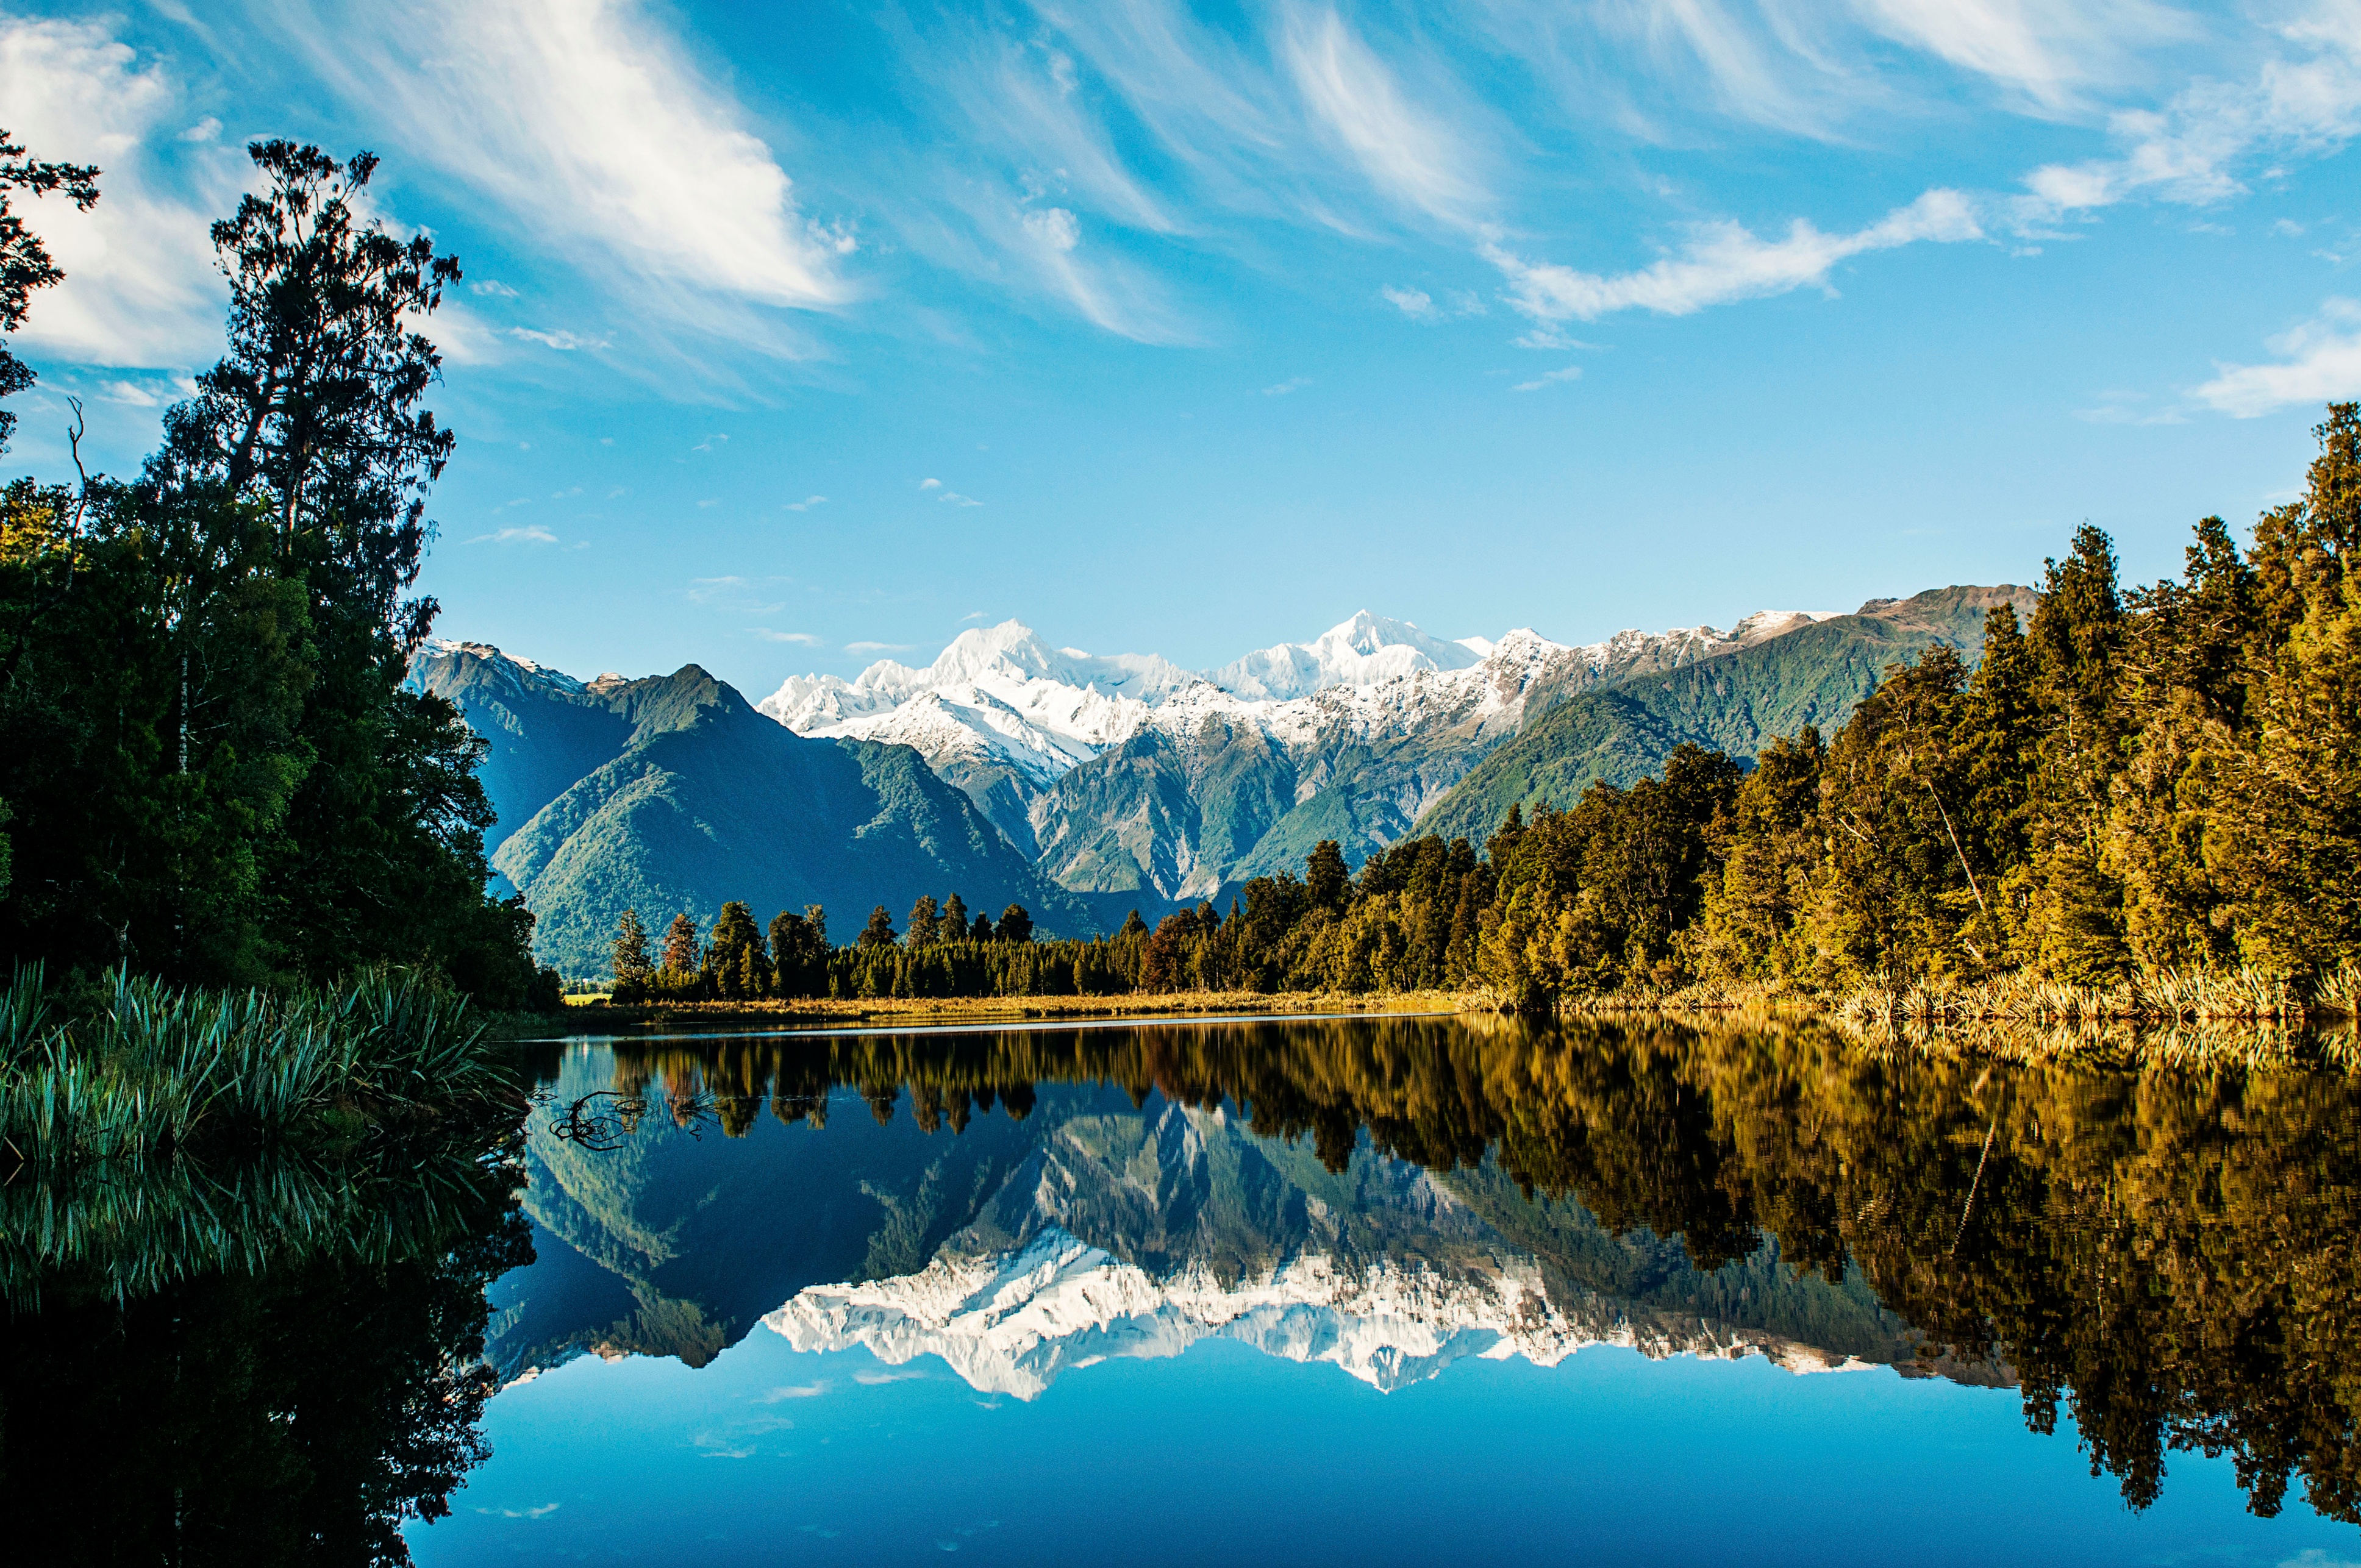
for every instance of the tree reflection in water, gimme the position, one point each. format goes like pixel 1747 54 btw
pixel 279 1362
pixel 2166 1253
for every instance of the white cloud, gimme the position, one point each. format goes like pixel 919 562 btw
pixel 2048 51
pixel 586 123
pixel 140 288
pixel 131 393
pixel 2319 361
pixel 1549 378
pixel 492 287
pixel 1725 262
pixel 879 647
pixel 1409 155
pixel 1416 303
pixel 2303 101
pixel 801 639
pixel 953 498
pixel 1054 228
pixel 1292 384
pixel 564 341
pixel 930 484
pixel 807 503
pixel 532 533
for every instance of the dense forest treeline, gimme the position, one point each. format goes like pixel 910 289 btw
pixel 210 772
pixel 2138 780
pixel 1993 1205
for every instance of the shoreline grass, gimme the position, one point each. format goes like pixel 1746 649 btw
pixel 154 1070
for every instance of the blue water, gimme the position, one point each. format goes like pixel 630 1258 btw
pixel 1223 1453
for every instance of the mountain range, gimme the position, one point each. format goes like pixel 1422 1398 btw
pixel 1084 785
pixel 1095 1226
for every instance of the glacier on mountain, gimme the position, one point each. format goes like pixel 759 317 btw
pixel 1005 715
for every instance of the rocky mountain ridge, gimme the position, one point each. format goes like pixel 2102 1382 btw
pixel 1004 717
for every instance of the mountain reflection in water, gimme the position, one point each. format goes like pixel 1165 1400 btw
pixel 2166 1254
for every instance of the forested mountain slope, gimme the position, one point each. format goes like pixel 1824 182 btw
pixel 1733 702
pixel 674 793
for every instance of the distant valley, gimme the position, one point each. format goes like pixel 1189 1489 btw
pixel 1084 785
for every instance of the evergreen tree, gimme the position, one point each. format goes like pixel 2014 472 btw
pixel 632 964
pixel 1016 923
pixel 981 931
pixel 734 953
pixel 879 932
pixel 1325 876
pixel 680 951
pixel 923 920
pixel 25 263
pixel 952 926
pixel 2290 842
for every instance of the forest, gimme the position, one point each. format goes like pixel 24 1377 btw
pixel 211 772
pixel 2153 782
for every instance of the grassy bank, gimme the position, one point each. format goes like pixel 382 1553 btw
pixel 151 1070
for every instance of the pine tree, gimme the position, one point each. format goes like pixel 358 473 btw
pixel 953 926
pixel 1016 923
pixel 981 931
pixel 879 932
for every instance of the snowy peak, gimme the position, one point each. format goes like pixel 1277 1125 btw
pixel 1361 652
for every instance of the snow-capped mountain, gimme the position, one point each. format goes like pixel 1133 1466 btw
pixel 1006 718
pixel 1360 652
pixel 1012 1323
pixel 1391 1288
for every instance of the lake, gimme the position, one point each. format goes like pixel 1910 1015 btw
pixel 1333 1291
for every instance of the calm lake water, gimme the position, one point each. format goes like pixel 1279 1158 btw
pixel 1342 1291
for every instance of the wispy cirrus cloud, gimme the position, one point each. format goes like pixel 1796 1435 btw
pixel 563 341
pixel 2052 52
pixel 1548 379
pixel 801 639
pixel 529 534
pixel 140 288
pixel 807 503
pixel 588 119
pixel 1723 261
pixel 2319 361
pixel 1415 157
pixel 879 647
pixel 2304 98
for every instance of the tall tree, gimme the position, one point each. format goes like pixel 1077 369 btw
pixel 1016 923
pixel 923 919
pixel 24 262
pixel 879 932
pixel 680 951
pixel 632 963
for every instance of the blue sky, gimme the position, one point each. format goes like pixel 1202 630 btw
pixel 798 335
